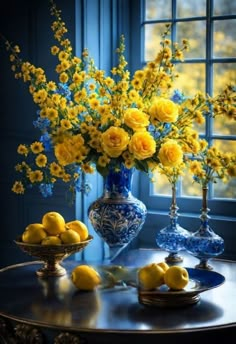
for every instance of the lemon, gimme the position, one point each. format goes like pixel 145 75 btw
pixel 85 277
pixel 34 233
pixel 163 265
pixel 176 277
pixel 70 237
pixel 150 276
pixel 54 223
pixel 51 240
pixel 79 227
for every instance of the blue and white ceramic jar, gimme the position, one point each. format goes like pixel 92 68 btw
pixel 117 216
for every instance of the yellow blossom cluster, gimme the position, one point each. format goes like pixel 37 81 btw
pixel 211 165
pixel 91 120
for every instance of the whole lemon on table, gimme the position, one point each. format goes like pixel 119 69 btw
pixel 70 237
pixel 151 276
pixel 51 240
pixel 34 233
pixel 85 277
pixel 79 227
pixel 176 277
pixel 54 223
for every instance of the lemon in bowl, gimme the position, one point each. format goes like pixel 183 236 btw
pixel 54 223
pixel 79 227
pixel 51 240
pixel 176 277
pixel 69 236
pixel 34 233
pixel 150 276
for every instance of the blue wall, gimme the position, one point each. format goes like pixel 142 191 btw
pixel 28 25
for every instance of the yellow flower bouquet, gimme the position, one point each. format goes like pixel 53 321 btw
pixel 92 121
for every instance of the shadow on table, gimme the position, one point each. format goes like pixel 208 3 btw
pixel 191 316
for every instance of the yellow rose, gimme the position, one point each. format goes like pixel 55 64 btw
pixel 64 154
pixel 170 154
pixel 114 141
pixel 163 110
pixel 142 145
pixel 136 119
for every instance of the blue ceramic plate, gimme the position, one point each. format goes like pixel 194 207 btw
pixel 199 281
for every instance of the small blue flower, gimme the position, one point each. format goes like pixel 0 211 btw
pixel 64 90
pixel 167 129
pixel 151 128
pixel 46 189
pixel 178 97
pixel 46 141
pixel 83 186
pixel 41 123
pixel 159 134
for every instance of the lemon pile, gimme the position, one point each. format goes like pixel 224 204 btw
pixel 54 230
pixel 154 275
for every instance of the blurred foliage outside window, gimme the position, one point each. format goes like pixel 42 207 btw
pixel 209 26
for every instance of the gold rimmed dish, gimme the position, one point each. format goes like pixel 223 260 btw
pixel 52 255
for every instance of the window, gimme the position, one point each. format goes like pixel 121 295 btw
pixel 209 26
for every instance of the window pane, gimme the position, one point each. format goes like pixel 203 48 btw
pixel 225 190
pixel 191 78
pixel 224 38
pixel 189 188
pixel 160 186
pixel 191 8
pixel 224 125
pixel 220 189
pixel 222 7
pixel 224 74
pixel 158 9
pixel 225 145
pixel 195 33
pixel 153 38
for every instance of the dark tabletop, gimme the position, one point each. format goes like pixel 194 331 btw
pixel 55 302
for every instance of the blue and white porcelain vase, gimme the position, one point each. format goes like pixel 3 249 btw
pixel 117 216
pixel 173 237
pixel 205 244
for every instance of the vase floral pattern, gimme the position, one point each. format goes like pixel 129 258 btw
pixel 117 216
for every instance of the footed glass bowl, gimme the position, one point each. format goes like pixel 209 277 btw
pixel 51 255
